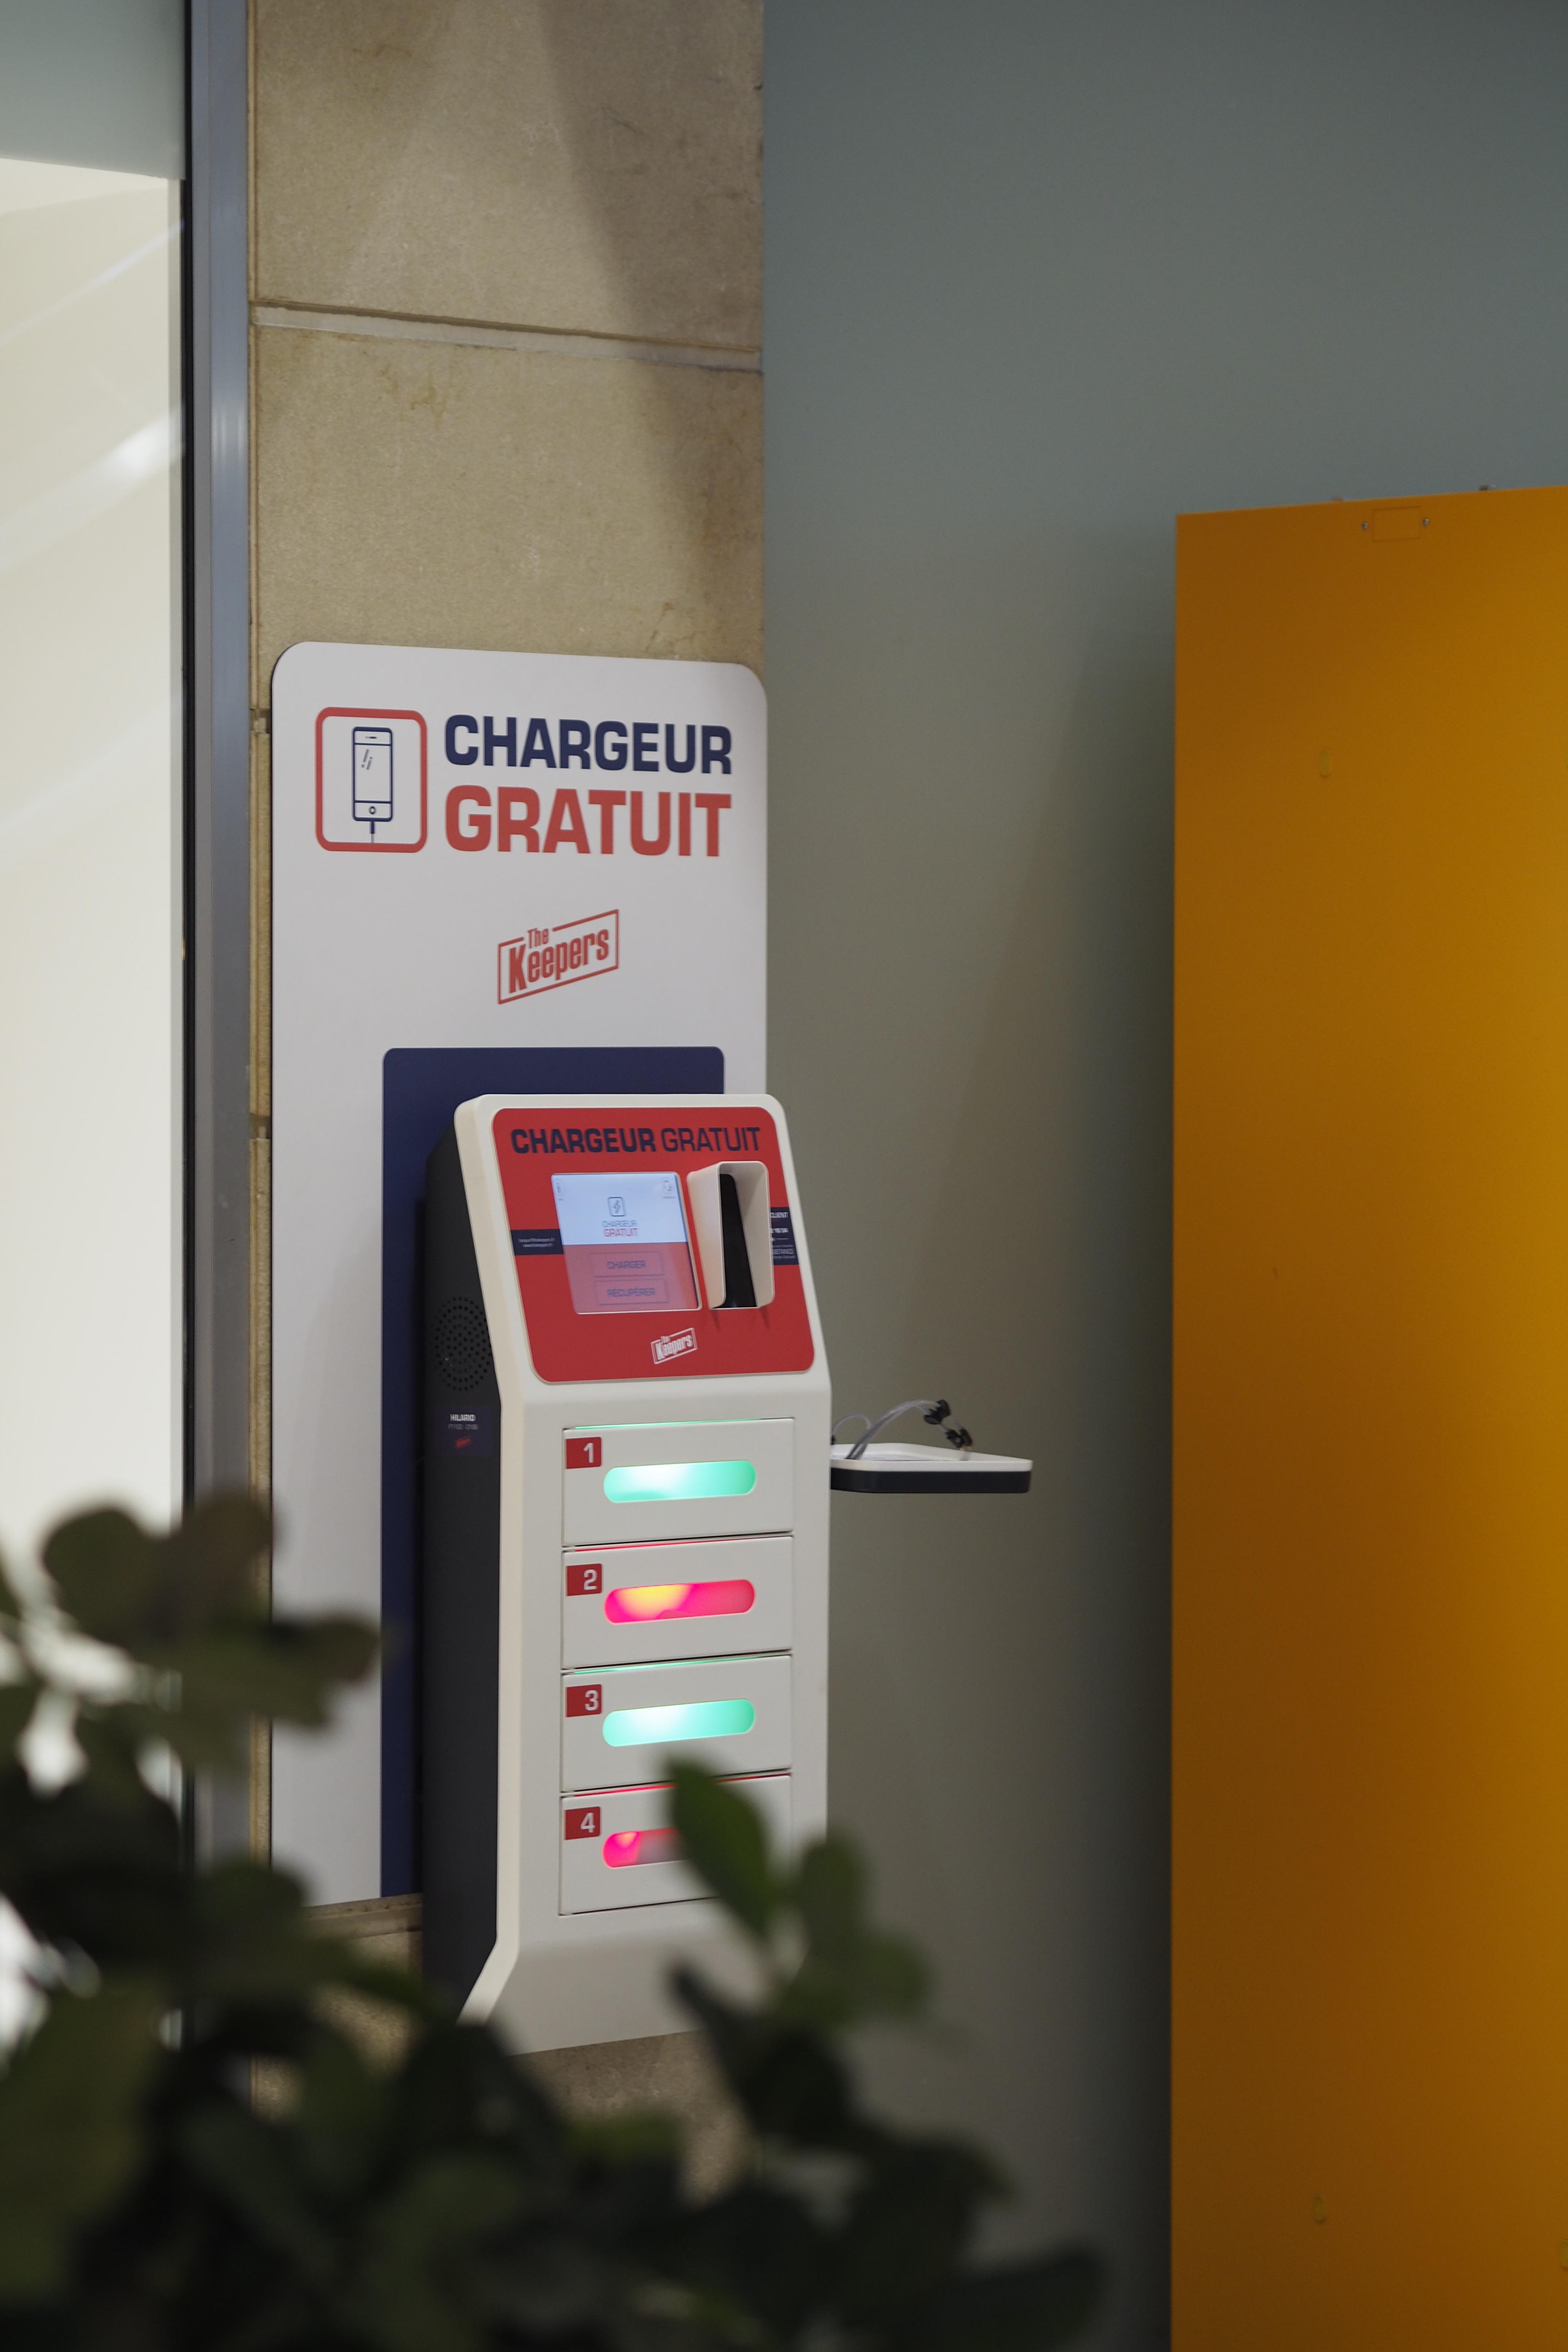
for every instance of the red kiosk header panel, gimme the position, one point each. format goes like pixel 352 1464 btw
pixel 603 1238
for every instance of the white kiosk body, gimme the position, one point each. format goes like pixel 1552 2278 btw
pixel 626 1499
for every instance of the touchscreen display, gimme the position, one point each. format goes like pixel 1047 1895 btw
pixel 623 1237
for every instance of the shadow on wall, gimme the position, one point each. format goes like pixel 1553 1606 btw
pixel 658 115
pixel 588 169
pixel 971 939
pixel 678 251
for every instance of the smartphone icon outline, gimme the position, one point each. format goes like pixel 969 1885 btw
pixel 372 784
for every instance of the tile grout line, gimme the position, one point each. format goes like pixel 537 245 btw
pixel 282 303
pixel 390 326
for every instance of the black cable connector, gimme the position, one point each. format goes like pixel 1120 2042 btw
pixel 935 1410
pixel 938 1415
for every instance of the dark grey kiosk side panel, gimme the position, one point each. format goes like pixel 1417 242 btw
pixel 460 1591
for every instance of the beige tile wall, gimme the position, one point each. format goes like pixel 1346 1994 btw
pixel 585 165
pixel 506 300
pixel 421 493
pixel 507 280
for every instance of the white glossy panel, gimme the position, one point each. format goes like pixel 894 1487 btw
pixel 90 849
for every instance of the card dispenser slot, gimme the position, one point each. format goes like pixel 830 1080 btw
pixel 619 1853
pixel 647 1481
pixel 633 1604
pixel 620 1725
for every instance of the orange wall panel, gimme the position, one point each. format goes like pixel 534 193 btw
pixel 1371 1794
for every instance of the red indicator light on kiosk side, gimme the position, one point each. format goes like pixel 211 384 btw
pixel 648 1604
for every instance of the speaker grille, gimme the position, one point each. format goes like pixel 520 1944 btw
pixel 460 1345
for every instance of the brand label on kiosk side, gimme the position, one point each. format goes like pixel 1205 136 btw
pixel 624 1540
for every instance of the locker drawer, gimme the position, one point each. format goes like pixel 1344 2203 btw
pixel 618 1853
pixel 628 1604
pixel 619 1723
pixel 649 1480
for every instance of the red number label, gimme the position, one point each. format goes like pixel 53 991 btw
pixel 583 1699
pixel 584 1576
pixel 585 1452
pixel 583 1821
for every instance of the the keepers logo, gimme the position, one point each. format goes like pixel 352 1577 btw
pixel 553 956
pixel 674 1343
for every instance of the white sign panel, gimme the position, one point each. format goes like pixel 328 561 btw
pixel 469 850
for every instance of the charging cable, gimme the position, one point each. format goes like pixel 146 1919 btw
pixel 935 1410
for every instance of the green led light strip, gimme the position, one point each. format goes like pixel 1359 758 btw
pixel 712 1718
pixel 678 1481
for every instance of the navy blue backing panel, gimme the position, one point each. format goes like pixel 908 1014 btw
pixel 421 1088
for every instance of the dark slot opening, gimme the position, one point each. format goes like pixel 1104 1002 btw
pixel 739 1290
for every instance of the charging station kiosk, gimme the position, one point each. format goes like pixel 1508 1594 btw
pixel 626 1408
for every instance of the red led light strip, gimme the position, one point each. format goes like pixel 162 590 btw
pixel 624 1849
pixel 648 1604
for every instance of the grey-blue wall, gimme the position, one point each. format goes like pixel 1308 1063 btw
pixel 101 82
pixel 1041 274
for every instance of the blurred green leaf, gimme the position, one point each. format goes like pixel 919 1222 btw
pixel 85 1870
pixel 755 2249
pixel 458 2085
pixel 107 1571
pixel 440 2201
pixel 245 2164
pixel 551 2281
pixel 11 1605
pixel 830 1889
pixel 17 1702
pixel 908 2224
pixel 340 2124
pixel 789 2081
pixel 110 1743
pixel 211 1562
pixel 247 1940
pixel 69 2140
pixel 287 1671
pixel 723 1840
pixel 849 1972
pixel 1017 2308
pixel 882 1977
pixel 148 1594
pixel 617 2141
pixel 204 1743
pixel 415 2287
